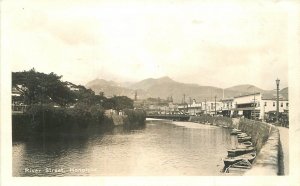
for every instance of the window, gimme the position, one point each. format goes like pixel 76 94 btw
pixel 287 104
pixel 258 104
pixel 281 105
pixel 265 103
pixel 273 104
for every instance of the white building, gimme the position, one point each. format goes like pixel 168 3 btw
pixel 256 105
pixel 247 105
pixel 194 108
pixel 211 107
pixel 269 104
pixel 227 106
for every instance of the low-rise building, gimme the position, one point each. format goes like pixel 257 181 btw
pixel 256 105
pixel 227 106
pixel 195 108
pixel 211 107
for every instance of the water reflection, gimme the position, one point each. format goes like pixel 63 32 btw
pixel 158 149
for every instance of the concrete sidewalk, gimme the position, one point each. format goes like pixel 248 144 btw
pixel 284 139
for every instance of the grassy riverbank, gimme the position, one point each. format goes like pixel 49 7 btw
pixel 212 120
pixel 46 119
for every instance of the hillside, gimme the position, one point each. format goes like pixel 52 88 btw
pixel 244 88
pixel 165 87
pixel 110 88
pixel 147 83
pixel 100 82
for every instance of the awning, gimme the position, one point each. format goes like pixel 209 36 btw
pixel 246 108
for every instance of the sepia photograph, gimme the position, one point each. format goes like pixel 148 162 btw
pixel 144 92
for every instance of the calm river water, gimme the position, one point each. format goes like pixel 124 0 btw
pixel 161 148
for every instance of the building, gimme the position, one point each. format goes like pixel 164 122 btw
pixel 247 105
pixel 211 107
pixel 269 105
pixel 18 103
pixel 197 108
pixel 255 105
pixel 227 107
pixel 194 108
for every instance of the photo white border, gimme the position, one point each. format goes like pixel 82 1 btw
pixel 294 133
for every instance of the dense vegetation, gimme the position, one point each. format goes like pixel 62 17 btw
pixel 55 105
pixel 41 88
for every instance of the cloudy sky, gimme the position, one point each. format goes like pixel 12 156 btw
pixel 203 42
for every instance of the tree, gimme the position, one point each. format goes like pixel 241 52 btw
pixel 38 87
pixel 122 102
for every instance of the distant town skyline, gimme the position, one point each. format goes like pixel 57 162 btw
pixel 207 43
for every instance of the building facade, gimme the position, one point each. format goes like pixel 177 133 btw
pixel 227 107
pixel 254 106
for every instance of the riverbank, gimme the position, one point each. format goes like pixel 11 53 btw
pixel 219 121
pixel 265 138
pixel 48 120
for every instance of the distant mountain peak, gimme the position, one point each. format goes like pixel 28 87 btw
pixel 98 81
pixel 147 83
pixel 165 79
pixel 245 88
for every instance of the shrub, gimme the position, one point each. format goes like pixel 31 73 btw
pixel 135 117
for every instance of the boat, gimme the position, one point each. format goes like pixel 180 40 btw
pixel 235 132
pixel 242 135
pixel 247 143
pixel 232 160
pixel 243 139
pixel 241 149
pixel 238 167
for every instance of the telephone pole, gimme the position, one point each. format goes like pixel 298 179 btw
pixel 135 96
pixel 277 100
pixel 205 106
pixel 215 105
pixel 253 111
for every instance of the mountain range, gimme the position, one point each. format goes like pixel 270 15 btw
pixel 166 87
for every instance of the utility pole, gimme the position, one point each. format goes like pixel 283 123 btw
pixel 277 104
pixel 223 94
pixel 135 96
pixel 253 111
pixel 205 106
pixel 215 105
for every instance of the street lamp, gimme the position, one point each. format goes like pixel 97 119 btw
pixel 277 100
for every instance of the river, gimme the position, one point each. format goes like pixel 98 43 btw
pixel 161 148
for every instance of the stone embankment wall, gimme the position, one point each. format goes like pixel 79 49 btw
pixel 258 131
pixel 265 138
pixel 267 161
pixel 220 121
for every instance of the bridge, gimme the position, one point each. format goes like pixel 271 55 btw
pixel 175 117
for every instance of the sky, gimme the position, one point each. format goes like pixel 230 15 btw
pixel 204 42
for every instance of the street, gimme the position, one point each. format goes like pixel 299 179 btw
pixel 284 138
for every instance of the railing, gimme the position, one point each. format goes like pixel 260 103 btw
pixel 181 117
